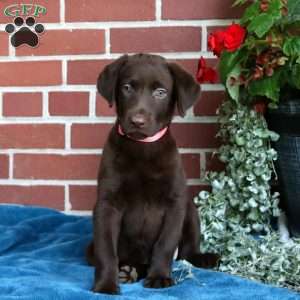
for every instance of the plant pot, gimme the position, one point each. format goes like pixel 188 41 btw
pixel 286 122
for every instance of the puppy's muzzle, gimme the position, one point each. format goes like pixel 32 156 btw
pixel 138 120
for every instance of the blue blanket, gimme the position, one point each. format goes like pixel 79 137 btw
pixel 42 257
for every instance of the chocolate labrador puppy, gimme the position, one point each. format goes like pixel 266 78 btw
pixel 143 213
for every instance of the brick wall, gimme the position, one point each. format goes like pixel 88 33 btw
pixel 53 124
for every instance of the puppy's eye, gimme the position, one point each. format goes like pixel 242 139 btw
pixel 160 93
pixel 127 88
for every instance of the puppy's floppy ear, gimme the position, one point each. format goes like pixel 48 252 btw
pixel 186 90
pixel 108 78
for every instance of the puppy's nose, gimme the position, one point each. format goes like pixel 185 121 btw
pixel 138 120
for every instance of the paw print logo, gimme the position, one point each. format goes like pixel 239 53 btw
pixel 24 33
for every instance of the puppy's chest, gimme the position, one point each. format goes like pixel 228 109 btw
pixel 147 186
pixel 141 225
pixel 153 180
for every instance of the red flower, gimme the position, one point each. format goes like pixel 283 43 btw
pixel 216 42
pixel 234 37
pixel 231 39
pixel 206 74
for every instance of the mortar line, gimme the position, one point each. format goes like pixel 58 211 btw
pixel 63 182
pixel 103 56
pixel 92 120
pixel 107 41
pixel 158 10
pixel 64 71
pixel 86 88
pixel 68 136
pixel 204 39
pixel 62 11
pixel 45 104
pixel 11 166
pixel 68 204
pixel 92 104
pixel 136 24
pixel 94 151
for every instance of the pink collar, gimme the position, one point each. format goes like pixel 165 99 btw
pixel 149 139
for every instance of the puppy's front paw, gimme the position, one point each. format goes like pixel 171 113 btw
pixel 127 274
pixel 106 288
pixel 158 282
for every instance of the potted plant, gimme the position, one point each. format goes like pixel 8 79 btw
pixel 260 66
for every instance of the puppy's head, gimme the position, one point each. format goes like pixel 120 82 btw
pixel 146 89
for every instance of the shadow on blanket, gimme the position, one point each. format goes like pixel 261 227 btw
pixel 42 257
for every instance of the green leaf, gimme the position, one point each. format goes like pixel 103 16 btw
pixel 291 46
pixel 262 133
pixel 251 12
pixel 261 24
pixel 228 61
pixel 274 136
pixel 234 89
pixel 268 87
pixel 272 105
pixel 294 6
pixel 240 141
pixel 275 8
pixel 295 78
pixel 293 11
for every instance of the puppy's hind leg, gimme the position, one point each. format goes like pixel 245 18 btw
pixel 89 254
pixel 189 246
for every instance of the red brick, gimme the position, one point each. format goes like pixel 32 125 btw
pixel 30 73
pixel 4 166
pixel 209 103
pixel 89 135
pixel 213 163
pixel 67 42
pixel 102 107
pixel 197 135
pixel 49 196
pixel 114 10
pixel 3 43
pixel 69 103
pixel 190 65
pixel 83 197
pixel 195 9
pixel 51 166
pixel 161 39
pixel 51 16
pixel 22 104
pixel 32 136
pixel 85 71
pixel 191 164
